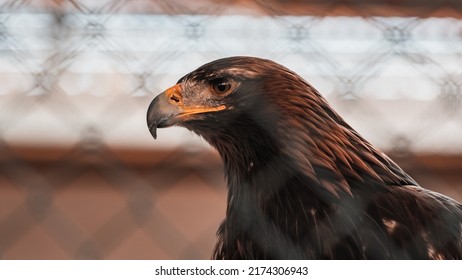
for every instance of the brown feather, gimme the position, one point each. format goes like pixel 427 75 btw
pixel 316 188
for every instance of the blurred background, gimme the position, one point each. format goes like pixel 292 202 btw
pixel 82 178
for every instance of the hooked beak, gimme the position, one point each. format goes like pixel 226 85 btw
pixel 167 109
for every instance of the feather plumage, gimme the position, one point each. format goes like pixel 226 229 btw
pixel 302 183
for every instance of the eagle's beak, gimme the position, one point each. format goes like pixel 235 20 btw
pixel 163 108
pixel 167 109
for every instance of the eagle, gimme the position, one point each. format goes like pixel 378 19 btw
pixel 302 183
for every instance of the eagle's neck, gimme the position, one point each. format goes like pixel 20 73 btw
pixel 280 192
pixel 269 191
pixel 285 175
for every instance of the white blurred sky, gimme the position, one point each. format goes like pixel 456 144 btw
pixel 92 66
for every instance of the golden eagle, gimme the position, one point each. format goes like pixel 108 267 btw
pixel 302 184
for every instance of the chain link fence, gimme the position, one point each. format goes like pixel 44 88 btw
pixel 80 175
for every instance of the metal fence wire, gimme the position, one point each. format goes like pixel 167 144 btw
pixel 80 175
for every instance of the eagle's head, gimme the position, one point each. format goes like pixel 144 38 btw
pixel 223 95
pixel 251 110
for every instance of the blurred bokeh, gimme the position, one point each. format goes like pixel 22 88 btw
pixel 80 175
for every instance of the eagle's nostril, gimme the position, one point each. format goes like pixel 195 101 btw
pixel 174 98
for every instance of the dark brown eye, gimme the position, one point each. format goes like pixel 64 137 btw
pixel 222 86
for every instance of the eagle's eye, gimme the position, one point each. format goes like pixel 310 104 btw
pixel 222 86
